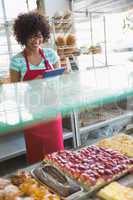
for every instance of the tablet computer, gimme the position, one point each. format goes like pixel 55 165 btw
pixel 55 72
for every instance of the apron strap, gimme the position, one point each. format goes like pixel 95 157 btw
pixel 47 64
pixel 26 59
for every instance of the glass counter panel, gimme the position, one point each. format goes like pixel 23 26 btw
pixel 103 122
pixel 27 103
pixel 102 113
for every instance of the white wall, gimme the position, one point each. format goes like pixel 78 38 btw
pixel 53 6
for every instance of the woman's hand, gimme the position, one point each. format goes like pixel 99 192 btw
pixel 67 67
pixel 14 76
pixel 56 65
pixel 39 77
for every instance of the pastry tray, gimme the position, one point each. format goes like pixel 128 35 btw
pixel 66 187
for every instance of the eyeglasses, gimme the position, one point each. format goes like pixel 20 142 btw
pixel 36 36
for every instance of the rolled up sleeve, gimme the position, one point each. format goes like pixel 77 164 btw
pixel 14 64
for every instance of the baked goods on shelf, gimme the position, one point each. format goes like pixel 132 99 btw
pixel 71 40
pixel 60 41
pixel 95 49
pixel 25 188
pixel 62 22
pixel 116 191
pixel 121 142
pixel 33 189
pixel 20 177
pixel 66 47
pixel 90 170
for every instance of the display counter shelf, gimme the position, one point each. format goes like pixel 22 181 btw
pixel 124 119
pixel 67 134
pixel 27 103
pixel 13 145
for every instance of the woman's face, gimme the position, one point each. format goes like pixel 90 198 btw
pixel 35 41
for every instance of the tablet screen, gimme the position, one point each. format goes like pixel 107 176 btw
pixel 55 72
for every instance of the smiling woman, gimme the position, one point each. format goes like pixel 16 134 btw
pixel 31 31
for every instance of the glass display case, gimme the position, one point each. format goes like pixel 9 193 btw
pixel 25 104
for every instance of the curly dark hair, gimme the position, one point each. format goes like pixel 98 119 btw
pixel 28 24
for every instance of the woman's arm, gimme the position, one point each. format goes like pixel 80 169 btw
pixel 68 66
pixel 14 76
pixel 57 65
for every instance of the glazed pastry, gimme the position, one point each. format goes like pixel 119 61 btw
pixel 11 192
pixel 33 189
pixel 27 187
pixel 20 177
pixel 4 182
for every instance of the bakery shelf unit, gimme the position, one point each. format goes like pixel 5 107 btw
pixel 100 33
pixel 63 36
pixel 92 39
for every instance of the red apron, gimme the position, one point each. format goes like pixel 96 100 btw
pixel 45 137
